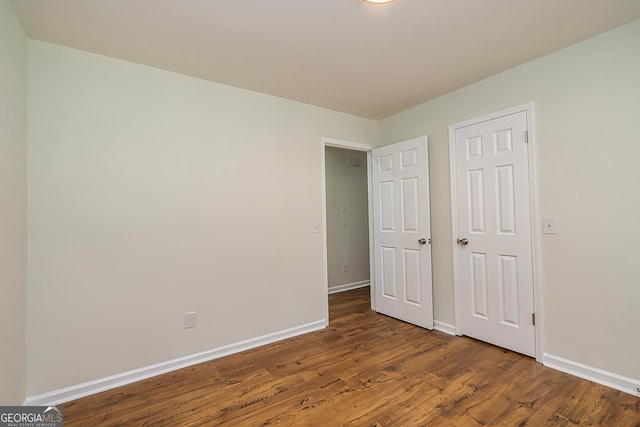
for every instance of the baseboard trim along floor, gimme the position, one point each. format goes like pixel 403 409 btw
pixel 444 327
pixel 599 376
pixel 348 287
pixel 102 384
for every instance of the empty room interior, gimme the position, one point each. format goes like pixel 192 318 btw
pixel 187 182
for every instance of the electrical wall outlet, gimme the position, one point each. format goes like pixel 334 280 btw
pixel 345 268
pixel 549 225
pixel 190 320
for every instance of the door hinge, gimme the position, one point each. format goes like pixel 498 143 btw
pixel 533 318
pixel 526 136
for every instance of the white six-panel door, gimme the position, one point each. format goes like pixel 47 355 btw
pixel 494 276
pixel 402 250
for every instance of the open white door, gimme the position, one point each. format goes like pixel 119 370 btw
pixel 402 232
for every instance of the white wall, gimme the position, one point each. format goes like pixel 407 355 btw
pixel 347 217
pixel 587 105
pixel 152 194
pixel 13 199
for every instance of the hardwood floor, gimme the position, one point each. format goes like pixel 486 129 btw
pixel 365 369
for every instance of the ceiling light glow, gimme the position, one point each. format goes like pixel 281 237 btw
pixel 378 1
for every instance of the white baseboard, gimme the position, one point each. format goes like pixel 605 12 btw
pixel 444 327
pixel 599 376
pixel 102 384
pixel 348 287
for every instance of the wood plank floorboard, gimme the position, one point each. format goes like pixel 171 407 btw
pixel 364 369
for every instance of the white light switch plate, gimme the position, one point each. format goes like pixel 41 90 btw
pixel 549 225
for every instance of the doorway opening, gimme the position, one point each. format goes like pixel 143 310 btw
pixel 346 209
pixel 347 214
pixel 397 219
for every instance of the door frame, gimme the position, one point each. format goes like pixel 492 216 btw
pixel 534 213
pixel 347 145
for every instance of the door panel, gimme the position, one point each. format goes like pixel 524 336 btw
pixel 388 275
pixel 412 289
pixel 479 292
pixel 410 213
pixel 402 279
pixel 506 200
pixel 495 268
pixel 476 204
pixel 386 206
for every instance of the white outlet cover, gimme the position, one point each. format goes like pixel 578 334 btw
pixel 190 320
pixel 549 225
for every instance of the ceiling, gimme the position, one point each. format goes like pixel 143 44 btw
pixel 370 60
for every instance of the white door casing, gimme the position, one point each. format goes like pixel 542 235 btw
pixel 347 145
pixel 401 232
pixel 494 269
